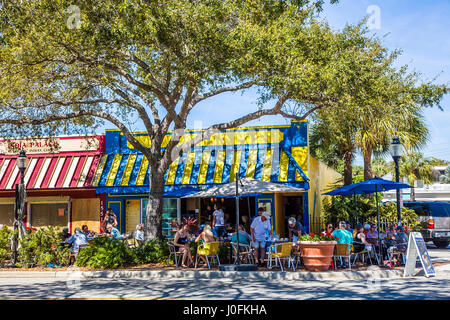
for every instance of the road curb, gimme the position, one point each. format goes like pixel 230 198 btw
pixel 200 274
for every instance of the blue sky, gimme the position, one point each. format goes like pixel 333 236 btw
pixel 420 28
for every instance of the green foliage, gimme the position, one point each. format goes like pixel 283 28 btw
pixel 152 251
pixel 343 208
pixel 445 178
pixel 5 244
pixel 409 216
pixel 106 252
pixel 41 248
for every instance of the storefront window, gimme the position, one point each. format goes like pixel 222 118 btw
pixel 7 214
pixel 49 214
pixel 169 214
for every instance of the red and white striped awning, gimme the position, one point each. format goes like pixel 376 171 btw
pixel 50 172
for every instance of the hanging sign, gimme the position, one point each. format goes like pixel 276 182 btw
pixel 417 247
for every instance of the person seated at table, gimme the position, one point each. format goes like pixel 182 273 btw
pixel 328 230
pixel 77 239
pixel 343 235
pixel 206 235
pixel 65 234
pixel 400 245
pixel 360 243
pixel 139 234
pixel 389 240
pixel 87 232
pixel 366 228
pixel 184 247
pixel 349 227
pixel 244 237
pixel 295 229
pixel 112 232
pixel 373 233
pixel 259 227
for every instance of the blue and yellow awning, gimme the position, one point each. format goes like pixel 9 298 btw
pixel 205 167
pixel 249 153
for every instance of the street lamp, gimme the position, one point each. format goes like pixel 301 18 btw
pixel 22 165
pixel 396 153
pixel 19 207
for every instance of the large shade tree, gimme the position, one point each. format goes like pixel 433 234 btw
pixel 66 68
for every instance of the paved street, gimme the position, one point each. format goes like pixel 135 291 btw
pixel 410 288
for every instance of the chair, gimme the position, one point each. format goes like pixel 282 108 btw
pixel 296 254
pixel 173 252
pixel 245 252
pixel 282 252
pixel 208 250
pixel 73 255
pixel 393 252
pixel 342 250
pixel 362 254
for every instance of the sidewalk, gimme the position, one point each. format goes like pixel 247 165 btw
pixel 374 272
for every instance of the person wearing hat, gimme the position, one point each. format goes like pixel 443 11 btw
pixel 259 227
pixel 65 234
pixel 295 229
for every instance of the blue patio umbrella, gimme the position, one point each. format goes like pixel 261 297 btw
pixel 374 185
pixel 344 191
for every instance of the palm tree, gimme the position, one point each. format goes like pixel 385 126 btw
pixel 407 122
pixel 413 166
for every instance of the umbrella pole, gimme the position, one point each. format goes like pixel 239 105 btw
pixel 356 208
pixel 237 223
pixel 378 223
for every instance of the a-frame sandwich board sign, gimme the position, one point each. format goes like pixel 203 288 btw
pixel 417 247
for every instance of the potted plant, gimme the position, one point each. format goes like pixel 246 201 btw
pixel 316 251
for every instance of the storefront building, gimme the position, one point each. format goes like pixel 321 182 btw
pixel 58 181
pixel 268 153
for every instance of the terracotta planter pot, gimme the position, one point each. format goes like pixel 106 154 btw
pixel 317 255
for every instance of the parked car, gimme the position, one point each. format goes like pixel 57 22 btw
pixel 434 220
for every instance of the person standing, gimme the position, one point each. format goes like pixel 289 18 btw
pixel 110 218
pixel 295 229
pixel 219 221
pixel 260 226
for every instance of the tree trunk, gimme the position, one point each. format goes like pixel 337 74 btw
pixel 368 173
pixel 153 223
pixel 348 169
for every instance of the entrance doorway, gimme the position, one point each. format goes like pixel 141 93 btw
pixel 292 207
pixel 228 205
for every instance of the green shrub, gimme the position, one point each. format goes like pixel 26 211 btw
pixel 41 248
pixel 152 251
pixel 106 252
pixel 5 244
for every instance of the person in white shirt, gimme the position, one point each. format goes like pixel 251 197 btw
pixel 139 234
pixel 219 221
pixel 259 228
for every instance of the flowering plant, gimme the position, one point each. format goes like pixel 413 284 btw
pixel 317 237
